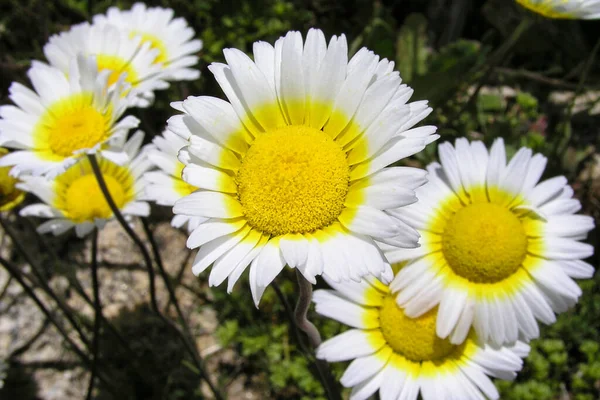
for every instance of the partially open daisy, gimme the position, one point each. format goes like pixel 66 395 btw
pixel 74 198
pixel 292 168
pixel 172 37
pixel 10 196
pixel 115 51
pixel 498 249
pixel 64 118
pixel 564 9
pixel 166 186
pixel 402 357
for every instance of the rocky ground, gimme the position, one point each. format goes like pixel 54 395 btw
pixel 37 363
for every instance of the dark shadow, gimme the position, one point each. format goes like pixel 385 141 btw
pixel 157 372
pixel 19 384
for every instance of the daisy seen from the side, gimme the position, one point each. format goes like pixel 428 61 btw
pixel 403 357
pixel 165 186
pixel 115 51
pixel 172 37
pixel 63 118
pixel 74 198
pixel 498 249
pixel 293 169
pixel 564 9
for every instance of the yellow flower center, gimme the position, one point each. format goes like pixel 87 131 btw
pixel 413 338
pixel 84 200
pixel 155 43
pixel 9 195
pixel 484 243
pixel 117 65
pixel 293 180
pixel 547 8
pixel 73 124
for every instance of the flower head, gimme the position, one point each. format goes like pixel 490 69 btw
pixel 292 170
pixel 114 51
pixel 74 198
pixel 10 196
pixel 64 118
pixel 166 185
pixel 402 357
pixel 564 9
pixel 172 37
pixel 498 247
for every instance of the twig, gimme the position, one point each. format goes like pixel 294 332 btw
pixel 300 313
pixel 14 272
pixel 172 298
pixel 42 281
pixel 148 261
pixel 97 313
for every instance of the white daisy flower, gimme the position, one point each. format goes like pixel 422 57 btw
pixel 116 52
pixel 498 249
pixel 172 37
pixel 292 170
pixel 74 198
pixel 402 357
pixel 63 118
pixel 166 186
pixel 565 9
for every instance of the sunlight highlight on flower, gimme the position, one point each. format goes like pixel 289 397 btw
pixel 498 249
pixel 292 170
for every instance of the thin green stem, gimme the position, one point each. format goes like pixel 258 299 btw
pixel 97 313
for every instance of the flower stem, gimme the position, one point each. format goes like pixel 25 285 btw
pixel 149 266
pixel 302 322
pixel 97 313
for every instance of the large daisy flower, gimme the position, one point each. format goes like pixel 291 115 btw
pixel 171 37
pixel 10 196
pixel 115 51
pixel 565 9
pixel 292 168
pixel 498 249
pixel 63 118
pixel 402 357
pixel 74 198
pixel 166 185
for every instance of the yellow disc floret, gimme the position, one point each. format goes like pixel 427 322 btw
pixel 413 338
pixel 85 201
pixel 72 124
pixel 10 196
pixel 547 8
pixel 484 243
pixel 118 66
pixel 155 43
pixel 293 180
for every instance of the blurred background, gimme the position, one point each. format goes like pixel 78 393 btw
pixel 488 68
